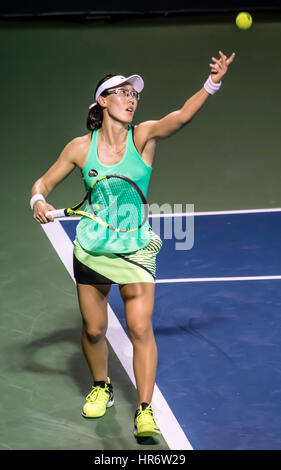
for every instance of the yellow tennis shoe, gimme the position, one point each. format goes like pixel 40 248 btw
pixel 98 400
pixel 145 425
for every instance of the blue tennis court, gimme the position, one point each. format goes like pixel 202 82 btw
pixel 217 327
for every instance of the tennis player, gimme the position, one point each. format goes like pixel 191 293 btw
pixel 113 145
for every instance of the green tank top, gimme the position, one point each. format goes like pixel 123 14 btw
pixel 92 236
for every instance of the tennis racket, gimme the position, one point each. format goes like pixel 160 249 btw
pixel 114 201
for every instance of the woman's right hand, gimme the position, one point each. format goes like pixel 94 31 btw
pixel 39 210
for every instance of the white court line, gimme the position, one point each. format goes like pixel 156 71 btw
pixel 170 428
pixel 218 279
pixel 179 214
pixel 61 243
pixel 242 211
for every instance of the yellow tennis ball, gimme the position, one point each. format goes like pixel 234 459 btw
pixel 244 20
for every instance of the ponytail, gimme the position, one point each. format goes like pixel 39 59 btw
pixel 95 117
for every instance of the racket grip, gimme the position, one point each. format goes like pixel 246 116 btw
pixel 57 213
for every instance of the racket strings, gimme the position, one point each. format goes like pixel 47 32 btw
pixel 117 203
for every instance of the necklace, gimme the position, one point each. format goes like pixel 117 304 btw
pixel 117 152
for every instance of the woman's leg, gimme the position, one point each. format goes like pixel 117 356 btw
pixel 138 301
pixel 93 307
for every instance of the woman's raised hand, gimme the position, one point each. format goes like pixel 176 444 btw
pixel 219 67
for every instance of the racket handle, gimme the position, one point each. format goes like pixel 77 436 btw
pixel 57 213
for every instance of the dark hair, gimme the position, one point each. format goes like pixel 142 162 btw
pixel 95 115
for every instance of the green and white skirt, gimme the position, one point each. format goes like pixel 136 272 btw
pixel 116 268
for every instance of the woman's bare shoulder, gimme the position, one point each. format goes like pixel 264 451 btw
pixel 80 141
pixel 78 148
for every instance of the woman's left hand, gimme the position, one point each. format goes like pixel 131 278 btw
pixel 220 66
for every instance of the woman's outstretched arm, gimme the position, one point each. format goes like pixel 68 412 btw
pixel 174 121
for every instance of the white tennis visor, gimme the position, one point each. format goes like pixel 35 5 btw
pixel 112 82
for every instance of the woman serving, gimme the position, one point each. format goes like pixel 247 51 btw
pixel 115 146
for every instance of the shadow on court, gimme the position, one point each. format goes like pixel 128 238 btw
pixel 74 367
pixel 106 429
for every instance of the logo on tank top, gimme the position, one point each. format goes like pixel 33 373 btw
pixel 93 173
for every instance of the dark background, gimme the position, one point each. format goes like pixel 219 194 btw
pixel 129 7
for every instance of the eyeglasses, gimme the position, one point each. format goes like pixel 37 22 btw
pixel 124 93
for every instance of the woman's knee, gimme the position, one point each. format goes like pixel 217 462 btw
pixel 139 331
pixel 94 333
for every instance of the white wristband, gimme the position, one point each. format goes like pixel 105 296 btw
pixel 211 87
pixel 35 198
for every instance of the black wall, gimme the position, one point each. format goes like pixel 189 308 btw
pixel 44 7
